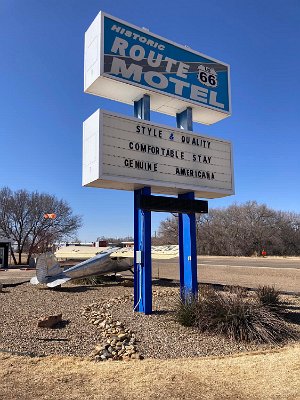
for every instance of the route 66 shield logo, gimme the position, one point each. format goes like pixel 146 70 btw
pixel 207 76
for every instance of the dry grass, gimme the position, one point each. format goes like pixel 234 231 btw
pixel 258 375
pixel 235 314
pixel 268 296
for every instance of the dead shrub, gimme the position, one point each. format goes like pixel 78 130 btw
pixel 92 280
pixel 186 310
pixel 234 315
pixel 268 296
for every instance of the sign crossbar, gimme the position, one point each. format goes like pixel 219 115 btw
pixel 173 204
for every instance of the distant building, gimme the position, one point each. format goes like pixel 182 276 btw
pixel 4 252
pixel 83 251
pixel 127 244
pixel 97 243
pixel 77 252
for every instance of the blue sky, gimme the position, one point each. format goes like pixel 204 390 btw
pixel 42 103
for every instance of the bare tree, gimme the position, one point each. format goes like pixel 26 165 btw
pixel 242 230
pixel 22 220
pixel 168 231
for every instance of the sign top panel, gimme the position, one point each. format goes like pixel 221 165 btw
pixel 123 62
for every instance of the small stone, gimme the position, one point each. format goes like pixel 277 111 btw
pixel 122 336
pixel 127 283
pixel 50 321
pixel 135 356
pixel 102 324
pixel 106 354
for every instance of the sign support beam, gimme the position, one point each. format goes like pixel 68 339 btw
pixel 187 229
pixel 142 233
pixel 184 119
pixel 142 108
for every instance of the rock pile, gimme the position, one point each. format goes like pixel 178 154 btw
pixel 118 342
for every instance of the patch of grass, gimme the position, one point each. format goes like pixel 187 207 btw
pixel 88 280
pixel 240 319
pixel 238 290
pixel 186 310
pixel 234 314
pixel 268 296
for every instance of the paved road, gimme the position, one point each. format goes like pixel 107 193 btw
pixel 283 273
pixel 258 262
pixel 15 276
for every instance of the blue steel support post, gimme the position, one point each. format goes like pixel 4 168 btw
pixel 187 229
pixel 142 234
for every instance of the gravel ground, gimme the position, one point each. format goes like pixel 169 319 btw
pixel 158 335
pixel 23 305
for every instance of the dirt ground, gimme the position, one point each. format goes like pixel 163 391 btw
pixel 271 374
pixel 259 375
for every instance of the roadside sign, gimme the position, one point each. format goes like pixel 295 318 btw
pixel 128 153
pixel 123 62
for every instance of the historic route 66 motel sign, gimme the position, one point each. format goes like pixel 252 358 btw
pixel 128 64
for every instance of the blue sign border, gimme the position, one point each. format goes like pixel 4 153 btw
pixel 183 69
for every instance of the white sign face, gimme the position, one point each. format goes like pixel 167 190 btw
pixel 123 62
pixel 129 153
